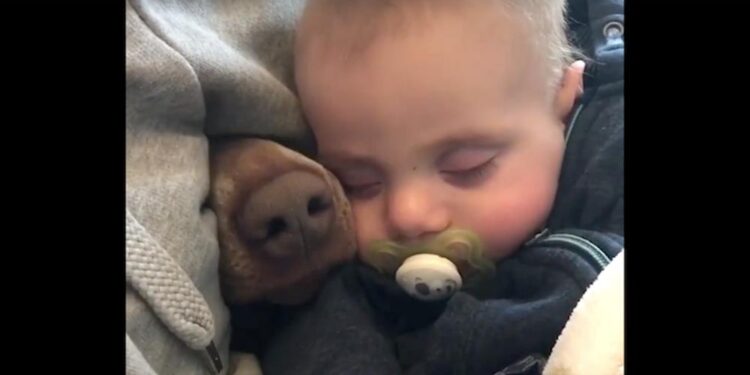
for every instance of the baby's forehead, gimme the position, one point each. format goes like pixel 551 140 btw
pixel 348 29
pixel 447 53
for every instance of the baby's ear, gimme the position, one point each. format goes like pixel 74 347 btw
pixel 571 87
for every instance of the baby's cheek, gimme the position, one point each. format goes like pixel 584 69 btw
pixel 508 227
pixel 367 228
pixel 500 236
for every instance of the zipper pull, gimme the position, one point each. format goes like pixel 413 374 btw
pixel 536 237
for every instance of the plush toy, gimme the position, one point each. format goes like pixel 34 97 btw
pixel 283 221
pixel 592 341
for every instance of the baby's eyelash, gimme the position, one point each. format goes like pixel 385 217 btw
pixel 472 175
pixel 361 191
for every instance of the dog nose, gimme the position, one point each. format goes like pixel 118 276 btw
pixel 290 215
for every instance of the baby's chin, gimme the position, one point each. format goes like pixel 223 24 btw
pixel 502 245
pixel 497 252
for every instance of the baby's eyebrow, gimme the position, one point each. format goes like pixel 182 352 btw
pixel 345 159
pixel 465 140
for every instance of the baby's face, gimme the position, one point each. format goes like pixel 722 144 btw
pixel 445 127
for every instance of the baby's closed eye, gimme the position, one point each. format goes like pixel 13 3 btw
pixel 467 166
pixel 359 182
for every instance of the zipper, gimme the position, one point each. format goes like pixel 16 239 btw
pixel 579 245
pixel 572 122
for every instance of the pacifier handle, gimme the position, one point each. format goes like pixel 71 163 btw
pixel 429 277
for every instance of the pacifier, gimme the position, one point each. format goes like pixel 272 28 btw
pixel 429 277
pixel 429 271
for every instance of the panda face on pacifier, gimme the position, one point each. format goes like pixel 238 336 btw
pixel 429 277
pixel 431 290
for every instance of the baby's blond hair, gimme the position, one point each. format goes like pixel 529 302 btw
pixel 366 20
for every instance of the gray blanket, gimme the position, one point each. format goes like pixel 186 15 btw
pixel 194 69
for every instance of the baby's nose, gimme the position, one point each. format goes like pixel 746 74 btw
pixel 415 212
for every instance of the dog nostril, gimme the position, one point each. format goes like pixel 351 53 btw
pixel 275 226
pixel 317 204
